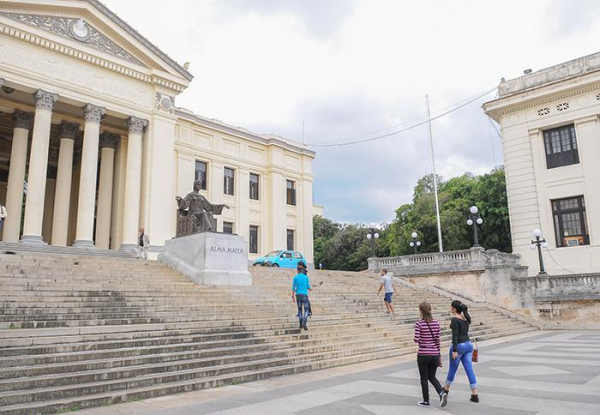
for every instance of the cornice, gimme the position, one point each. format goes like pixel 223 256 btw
pixel 241 133
pixel 88 58
pixel 536 102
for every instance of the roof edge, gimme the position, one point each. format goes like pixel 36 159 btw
pixel 282 142
pixel 131 31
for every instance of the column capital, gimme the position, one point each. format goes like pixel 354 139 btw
pixel 109 140
pixel 136 125
pixel 93 113
pixel 23 119
pixel 44 100
pixel 68 130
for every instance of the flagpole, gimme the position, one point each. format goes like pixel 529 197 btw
pixel 435 186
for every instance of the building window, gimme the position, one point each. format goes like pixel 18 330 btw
pixel 291 193
pixel 290 240
pixel 228 227
pixel 254 185
pixel 201 173
pixel 561 146
pixel 253 239
pixel 228 183
pixel 570 222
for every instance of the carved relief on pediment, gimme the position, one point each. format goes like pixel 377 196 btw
pixel 77 29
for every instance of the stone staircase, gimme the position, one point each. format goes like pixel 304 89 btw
pixel 79 332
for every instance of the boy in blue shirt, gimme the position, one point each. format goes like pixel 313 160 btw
pixel 300 289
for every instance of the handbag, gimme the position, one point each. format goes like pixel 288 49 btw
pixel 475 357
pixel 440 363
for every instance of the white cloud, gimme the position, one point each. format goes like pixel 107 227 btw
pixel 349 67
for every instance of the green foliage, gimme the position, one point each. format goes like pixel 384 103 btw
pixel 346 247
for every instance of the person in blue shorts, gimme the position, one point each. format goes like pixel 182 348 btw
pixel 300 289
pixel 388 287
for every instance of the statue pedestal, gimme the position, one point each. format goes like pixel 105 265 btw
pixel 209 258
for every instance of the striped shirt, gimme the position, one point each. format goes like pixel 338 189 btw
pixel 428 345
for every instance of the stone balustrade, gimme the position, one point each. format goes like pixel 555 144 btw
pixel 468 260
pixel 561 287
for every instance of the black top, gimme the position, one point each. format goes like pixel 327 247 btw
pixel 460 331
pixel 141 241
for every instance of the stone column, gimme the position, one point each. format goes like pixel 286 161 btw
pixel 108 143
pixel 16 175
pixel 38 167
pixel 133 178
pixel 64 177
pixel 89 170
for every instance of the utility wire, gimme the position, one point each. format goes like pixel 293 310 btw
pixel 444 113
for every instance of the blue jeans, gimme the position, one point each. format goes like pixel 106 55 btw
pixel 302 302
pixel 465 355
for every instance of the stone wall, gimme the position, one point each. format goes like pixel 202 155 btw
pixel 498 279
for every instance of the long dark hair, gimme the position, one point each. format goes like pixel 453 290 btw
pixel 461 309
pixel 425 309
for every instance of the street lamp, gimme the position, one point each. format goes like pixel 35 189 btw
pixel 539 243
pixel 475 221
pixel 372 236
pixel 415 243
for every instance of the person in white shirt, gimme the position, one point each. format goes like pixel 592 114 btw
pixel 143 244
pixel 3 215
pixel 388 287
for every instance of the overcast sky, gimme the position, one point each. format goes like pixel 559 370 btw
pixel 350 67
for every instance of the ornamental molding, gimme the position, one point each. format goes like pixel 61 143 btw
pixel 547 100
pixel 44 100
pixel 68 130
pixel 109 140
pixel 77 29
pixel 90 59
pixel 165 103
pixel 136 125
pixel 93 113
pixel 23 119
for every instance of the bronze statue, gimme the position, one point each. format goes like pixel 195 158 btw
pixel 195 213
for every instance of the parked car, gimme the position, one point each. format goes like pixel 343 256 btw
pixel 281 259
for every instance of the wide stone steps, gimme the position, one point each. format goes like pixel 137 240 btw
pixel 101 399
pixel 88 331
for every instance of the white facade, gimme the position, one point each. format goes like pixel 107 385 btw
pixel 551 132
pixel 88 120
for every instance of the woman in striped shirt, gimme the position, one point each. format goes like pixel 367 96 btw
pixel 427 335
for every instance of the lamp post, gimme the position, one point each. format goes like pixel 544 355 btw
pixel 372 236
pixel 415 243
pixel 475 221
pixel 539 243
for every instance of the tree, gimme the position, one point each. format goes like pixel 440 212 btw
pixel 346 247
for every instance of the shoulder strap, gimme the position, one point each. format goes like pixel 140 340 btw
pixel 433 337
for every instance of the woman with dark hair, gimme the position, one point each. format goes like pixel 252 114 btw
pixel 427 335
pixel 461 350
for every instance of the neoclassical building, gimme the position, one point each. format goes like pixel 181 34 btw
pixel 551 135
pixel 92 145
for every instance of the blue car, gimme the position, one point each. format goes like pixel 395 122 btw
pixel 280 259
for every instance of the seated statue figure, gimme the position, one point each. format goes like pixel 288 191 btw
pixel 195 213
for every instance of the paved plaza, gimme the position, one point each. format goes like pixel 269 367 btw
pixel 544 374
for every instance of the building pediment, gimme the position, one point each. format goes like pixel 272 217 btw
pixel 87 30
pixel 77 29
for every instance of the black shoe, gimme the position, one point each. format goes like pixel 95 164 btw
pixel 475 398
pixel 301 325
pixel 443 399
pixel 424 404
pixel 305 328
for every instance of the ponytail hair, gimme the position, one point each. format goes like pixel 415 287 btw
pixel 462 309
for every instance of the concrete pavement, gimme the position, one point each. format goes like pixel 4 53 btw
pixel 549 373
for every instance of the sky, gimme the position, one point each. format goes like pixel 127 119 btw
pixel 348 68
